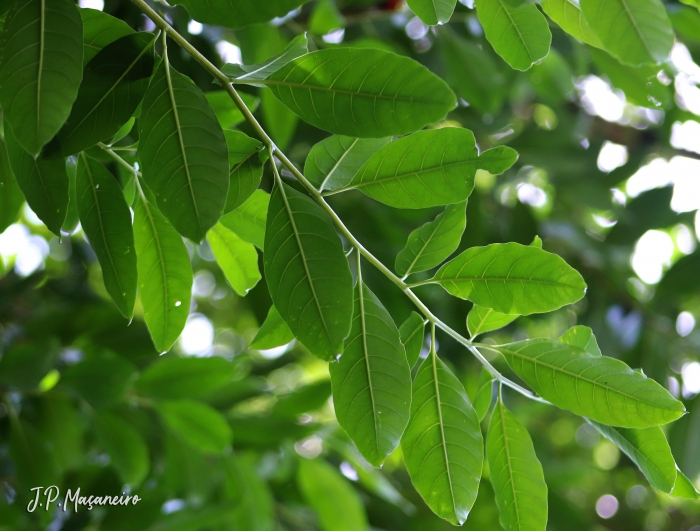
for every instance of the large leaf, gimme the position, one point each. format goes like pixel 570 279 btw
pixel 333 162
pixel 372 380
pixel 250 73
pixel 183 153
pixel 99 30
pixel 362 92
pixel 246 168
pixel 582 337
pixel 237 13
pixel 519 34
pixel 198 424
pixel 249 219
pixel 43 180
pixel 114 83
pixel 635 31
pixel 442 446
pixel 433 12
pixel 237 258
pixel 412 333
pixel 430 244
pixel 603 389
pixel 11 198
pixel 307 272
pixel 516 473
pixel 568 14
pixel 336 503
pixel 512 279
pixel 274 332
pixel 648 449
pixel 106 220
pixel 481 320
pixel 428 168
pixel 41 65
pixel 174 377
pixel 127 451
pixel 165 275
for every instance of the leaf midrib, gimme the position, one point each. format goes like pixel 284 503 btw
pixel 441 280
pixel 633 20
pixel 442 433
pixel 436 224
pixel 510 468
pixel 516 28
pixel 365 354
pixel 42 43
pixel 337 164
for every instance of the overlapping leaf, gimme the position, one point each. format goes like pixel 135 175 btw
pixel 442 446
pixel 11 198
pixel 246 168
pixel 362 92
pixel 183 153
pixel 582 337
pixel 511 278
pixel 250 73
pixel 165 275
pixel 516 474
pixel 249 219
pixel 307 272
pixel 600 388
pixel 484 393
pixel 412 333
pixel 372 380
pixel 106 220
pixel 433 12
pixel 273 333
pixel 41 66
pixel 237 13
pixel 237 258
pixel 568 14
pixel 99 30
pixel 481 320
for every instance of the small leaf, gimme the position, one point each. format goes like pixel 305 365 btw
pixel 99 30
pixel 582 337
pixel 536 242
pixel 497 160
pixel 273 333
pixel 246 168
pixel 484 394
pixel 568 15
pixel 323 487
pixel 433 12
pixel 43 180
pixel 333 162
pixel 197 424
pixel 113 85
pixel 481 320
pixel 516 474
pixel 412 333
pixel 237 258
pixel 442 446
pixel 325 18
pixel 512 279
pixel 165 275
pixel 237 13
pixel 432 243
pixel 520 35
pixel 637 32
pixel 648 449
pixel 372 380
pixel 11 198
pixel 70 224
pixel 601 388
pixel 183 153
pixel 249 219
pixel 41 65
pixel 127 451
pixel 362 92
pixel 307 272
pixel 173 377
pixel 106 220
pixel 250 73
pixel 684 488
pixel 227 113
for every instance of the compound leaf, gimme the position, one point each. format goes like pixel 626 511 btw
pixel 237 258
pixel 484 394
pixel 412 333
pixel 481 320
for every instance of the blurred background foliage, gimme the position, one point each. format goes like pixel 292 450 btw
pixel 608 177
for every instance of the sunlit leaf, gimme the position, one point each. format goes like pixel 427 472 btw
pixel 99 30
pixel 227 113
pixel 198 424
pixel 412 333
pixel 568 14
pixel 433 12
pixel 273 333
pixel 249 219
pixel 481 320
pixel 582 337
pixel 250 73
pixel 237 258
pixel 684 488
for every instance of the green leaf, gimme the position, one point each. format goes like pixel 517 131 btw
pixel 309 398
pixel 442 446
pixel 433 12
pixel 519 34
pixel 197 424
pixel 249 219
pixel 432 243
pixel 636 32
pixel 41 65
pixel 684 488
pixel 279 121
pixel 246 168
pixel 237 13
pixel 372 380
pixel 601 388
pixel 106 220
pixel 362 92
pixel 648 449
pixel 568 14
pixel 412 333
pixel 323 487
pixel 250 73
pixel 165 275
pixel 102 382
pixel 11 198
pixel 333 162
pixel 484 394
pixel 99 30
pixel 173 377
pixel 307 272
pixel 582 337
pixel 325 18
pixel 114 83
pixel 183 153
pixel 43 180
pixel 497 160
pixel 127 451
pixel 481 320
pixel 70 224
pixel 24 365
pixel 33 460
pixel 512 279
pixel 273 333
pixel 536 242
pixel 237 258
pixel 227 113
pixel 516 473
pixel 253 503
